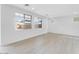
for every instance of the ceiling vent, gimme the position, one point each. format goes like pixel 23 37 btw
pixel 26 5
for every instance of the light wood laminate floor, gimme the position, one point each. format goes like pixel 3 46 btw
pixel 49 43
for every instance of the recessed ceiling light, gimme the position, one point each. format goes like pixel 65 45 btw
pixel 33 8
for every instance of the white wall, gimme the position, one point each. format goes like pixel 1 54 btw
pixel 0 24
pixel 64 25
pixel 9 33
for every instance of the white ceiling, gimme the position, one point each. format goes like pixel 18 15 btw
pixel 52 10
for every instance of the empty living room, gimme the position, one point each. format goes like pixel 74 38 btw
pixel 39 28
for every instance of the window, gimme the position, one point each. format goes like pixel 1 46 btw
pixel 76 19
pixel 37 22
pixel 23 21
